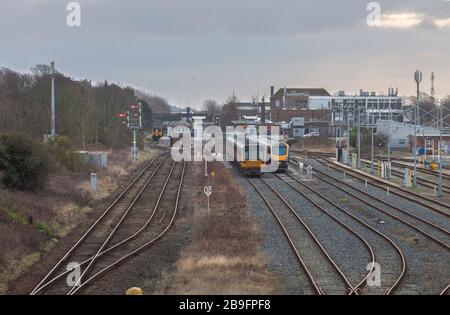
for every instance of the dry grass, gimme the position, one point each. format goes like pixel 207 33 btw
pixel 224 256
pixel 223 275
pixel 32 223
pixel 315 144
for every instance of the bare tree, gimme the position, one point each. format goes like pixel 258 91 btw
pixel 255 98
pixel 229 111
pixel 156 103
pixel 85 113
pixel 232 100
pixel 212 107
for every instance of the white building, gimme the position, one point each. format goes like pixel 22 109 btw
pixel 365 108
pixel 400 132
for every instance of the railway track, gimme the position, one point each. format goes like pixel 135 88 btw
pixel 155 146
pixel 327 274
pixel 394 161
pixel 446 290
pixel 92 250
pixel 368 230
pixel 416 222
pixel 445 176
pixel 423 181
pixel 431 204
pixel 400 162
pixel 433 231
pixel 146 235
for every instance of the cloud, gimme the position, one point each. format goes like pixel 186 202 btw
pixel 402 20
pixel 226 45
pixel 410 20
pixel 441 23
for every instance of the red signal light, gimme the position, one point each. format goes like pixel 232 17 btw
pixel 121 115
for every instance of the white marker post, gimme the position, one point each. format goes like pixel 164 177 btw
pixel 208 191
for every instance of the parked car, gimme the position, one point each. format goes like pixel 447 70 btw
pixel 312 134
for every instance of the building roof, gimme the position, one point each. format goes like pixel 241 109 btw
pixel 305 91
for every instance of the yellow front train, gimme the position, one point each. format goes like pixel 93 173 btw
pixel 157 133
pixel 273 155
pixel 254 156
pixel 247 156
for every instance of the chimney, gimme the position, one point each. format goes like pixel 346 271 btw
pixel 263 112
pixel 272 91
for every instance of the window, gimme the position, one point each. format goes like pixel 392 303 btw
pixel 282 150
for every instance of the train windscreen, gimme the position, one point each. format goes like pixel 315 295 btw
pixel 282 149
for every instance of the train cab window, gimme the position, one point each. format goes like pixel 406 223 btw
pixel 282 150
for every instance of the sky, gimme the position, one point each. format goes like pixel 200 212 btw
pixel 192 50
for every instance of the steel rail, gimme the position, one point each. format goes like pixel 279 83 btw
pixel 389 240
pixel 123 242
pixel 425 182
pixel 429 236
pixel 401 193
pixel 446 290
pixel 315 239
pixel 394 161
pixel 112 233
pixel 423 170
pixel 345 226
pixel 144 246
pixel 308 273
pixel 378 199
pixel 95 224
pixel 158 147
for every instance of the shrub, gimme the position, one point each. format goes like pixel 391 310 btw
pixel 23 165
pixel 60 148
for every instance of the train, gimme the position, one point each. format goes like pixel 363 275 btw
pixel 157 133
pixel 278 151
pixel 264 152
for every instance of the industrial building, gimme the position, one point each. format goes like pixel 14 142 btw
pixel 364 109
pixel 288 104
pixel 321 112
pixel 401 133
pixel 432 144
pixel 328 113
pixel 297 98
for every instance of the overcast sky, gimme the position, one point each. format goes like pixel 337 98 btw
pixel 192 50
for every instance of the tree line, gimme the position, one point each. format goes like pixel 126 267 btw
pixel 85 112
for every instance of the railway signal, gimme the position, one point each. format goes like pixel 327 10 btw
pixel 134 120
pixel 134 123
pixel 122 115
pixel 123 122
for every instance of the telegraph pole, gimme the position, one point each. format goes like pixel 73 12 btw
pixel 441 129
pixel 418 79
pixel 53 123
pixel 371 128
pixel 389 140
pixel 359 136
pixel 348 134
